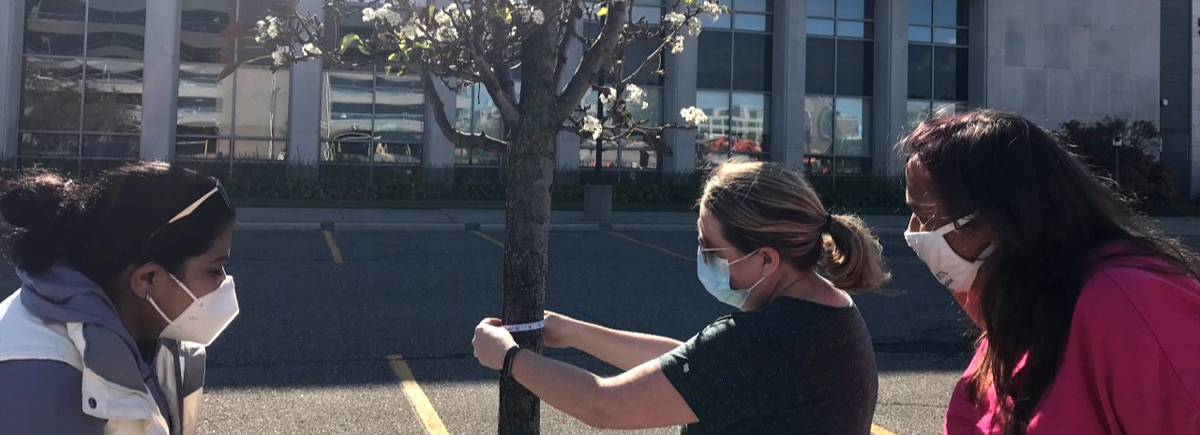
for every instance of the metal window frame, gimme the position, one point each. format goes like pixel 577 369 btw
pixel 868 99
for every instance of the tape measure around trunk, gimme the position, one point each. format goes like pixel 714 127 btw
pixel 526 327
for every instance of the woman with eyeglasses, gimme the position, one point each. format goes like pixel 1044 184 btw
pixel 1090 317
pixel 796 358
pixel 123 286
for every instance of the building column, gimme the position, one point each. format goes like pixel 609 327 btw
pixel 12 32
pixel 160 80
pixel 890 107
pixel 304 110
pixel 1195 137
pixel 679 91
pixel 787 87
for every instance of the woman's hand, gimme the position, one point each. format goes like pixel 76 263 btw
pixel 560 331
pixel 491 342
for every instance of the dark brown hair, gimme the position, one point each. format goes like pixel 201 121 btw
pixel 103 226
pixel 764 204
pixel 1051 215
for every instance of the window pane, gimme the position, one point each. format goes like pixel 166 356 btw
pixel 918 112
pixel 259 149
pixel 920 12
pixel 201 148
pixel 399 108
pixel 818 165
pixel 49 145
pixel 653 15
pixel 51 94
pixel 205 104
pixel 250 12
pixel 820 8
pixel 716 52
pixel 945 12
pixel 964 13
pixel 347 113
pixel 855 67
pixel 852 125
pixel 117 29
pixel 113 97
pixel 751 22
pixel 820 27
pixel 852 9
pixel 722 22
pixel 854 29
pixel 920 34
pixel 462 108
pixel 818 124
pixel 54 27
pixel 753 59
pixel 111 146
pixel 749 123
pixel 397 153
pixel 711 135
pixel 201 23
pixel 347 151
pixel 487 115
pixel 950 74
pixel 819 66
pixel 638 52
pixel 752 5
pixel 946 36
pixel 920 72
pixel 262 102
pixel 653 111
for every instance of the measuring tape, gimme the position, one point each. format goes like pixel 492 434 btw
pixel 526 327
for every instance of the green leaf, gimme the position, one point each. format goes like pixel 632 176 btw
pixel 507 16
pixel 689 2
pixel 604 11
pixel 348 40
pixel 363 49
pixel 400 70
pixel 387 71
pixel 432 11
pixel 422 45
pixel 392 57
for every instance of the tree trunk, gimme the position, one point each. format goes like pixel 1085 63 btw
pixel 527 230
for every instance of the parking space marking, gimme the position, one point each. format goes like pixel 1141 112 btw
pixel 416 397
pixel 655 247
pixel 877 430
pixel 333 247
pixel 489 238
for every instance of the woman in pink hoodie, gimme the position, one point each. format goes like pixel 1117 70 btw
pixel 1090 318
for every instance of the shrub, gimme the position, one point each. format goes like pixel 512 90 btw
pixel 1142 176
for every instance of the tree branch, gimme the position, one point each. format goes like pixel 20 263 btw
pixel 504 101
pixel 597 55
pixel 564 46
pixel 478 140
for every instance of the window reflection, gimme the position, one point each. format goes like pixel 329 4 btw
pixel 113 97
pixel 840 78
pixel 52 94
pixel 205 105
pixel 55 27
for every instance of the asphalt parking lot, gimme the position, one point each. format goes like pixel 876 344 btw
pixel 369 332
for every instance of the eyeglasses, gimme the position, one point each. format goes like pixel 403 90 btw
pixel 709 255
pixel 191 209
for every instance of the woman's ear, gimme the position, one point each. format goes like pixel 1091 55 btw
pixel 771 260
pixel 141 279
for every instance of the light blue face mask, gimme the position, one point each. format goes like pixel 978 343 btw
pixel 713 272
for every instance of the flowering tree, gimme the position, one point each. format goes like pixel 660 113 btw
pixel 482 41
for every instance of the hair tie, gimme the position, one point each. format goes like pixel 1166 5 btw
pixel 828 224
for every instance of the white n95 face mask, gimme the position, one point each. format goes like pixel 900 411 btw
pixel 953 271
pixel 205 318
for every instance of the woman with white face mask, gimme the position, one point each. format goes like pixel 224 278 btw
pixel 123 285
pixel 1090 318
pixel 795 359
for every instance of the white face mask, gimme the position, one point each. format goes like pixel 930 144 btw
pixel 954 272
pixel 205 318
pixel 714 274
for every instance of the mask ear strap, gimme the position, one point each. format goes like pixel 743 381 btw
pixel 156 308
pixel 184 287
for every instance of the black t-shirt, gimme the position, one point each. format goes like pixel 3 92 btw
pixel 792 367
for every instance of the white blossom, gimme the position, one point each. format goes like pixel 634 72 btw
pixel 281 55
pixel 312 49
pixel 529 13
pixel 674 18
pixel 453 10
pixel 445 34
pixel 384 13
pixel 368 15
pixel 268 28
pixel 443 19
pixel 608 95
pixel 538 17
pixel 676 44
pixel 592 125
pixel 693 115
pixel 636 95
pixel 411 31
pixel 713 9
pixel 694 26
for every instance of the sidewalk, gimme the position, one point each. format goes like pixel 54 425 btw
pixel 493 220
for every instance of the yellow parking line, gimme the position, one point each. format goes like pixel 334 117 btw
pixel 417 398
pixel 655 247
pixel 489 238
pixel 333 247
pixel 876 430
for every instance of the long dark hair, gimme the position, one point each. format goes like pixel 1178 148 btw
pixel 103 226
pixel 1052 215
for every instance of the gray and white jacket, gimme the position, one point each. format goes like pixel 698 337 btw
pixel 60 317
